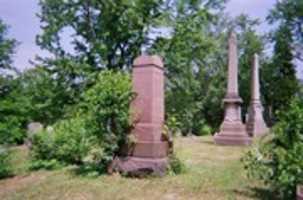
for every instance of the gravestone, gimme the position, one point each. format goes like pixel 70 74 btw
pixel 232 130
pixel 34 128
pixel 149 154
pixel 255 123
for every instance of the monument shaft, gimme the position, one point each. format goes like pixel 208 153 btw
pixel 255 124
pixel 232 83
pixel 150 151
pixel 232 130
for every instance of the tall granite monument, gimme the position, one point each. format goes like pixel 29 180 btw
pixel 150 151
pixel 255 123
pixel 232 130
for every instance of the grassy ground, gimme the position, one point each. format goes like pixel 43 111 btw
pixel 213 173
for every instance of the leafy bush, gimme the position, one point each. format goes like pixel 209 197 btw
pixel 278 159
pixel 70 143
pixel 172 125
pixel 176 166
pixel 96 131
pixel 5 165
pixel 11 131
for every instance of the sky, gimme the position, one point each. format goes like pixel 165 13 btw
pixel 24 25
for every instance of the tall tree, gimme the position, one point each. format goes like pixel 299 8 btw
pixel 105 34
pixel 7 47
pixel 189 54
pixel 290 13
pixel 281 83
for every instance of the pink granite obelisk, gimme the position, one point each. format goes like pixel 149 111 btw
pixel 255 123
pixel 149 154
pixel 232 130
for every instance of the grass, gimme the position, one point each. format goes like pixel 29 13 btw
pixel 213 172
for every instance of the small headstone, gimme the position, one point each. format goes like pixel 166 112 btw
pixel 32 129
pixel 49 129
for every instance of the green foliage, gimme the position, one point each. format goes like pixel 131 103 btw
pixel 95 132
pixel 5 165
pixel 278 161
pixel 32 96
pixel 172 125
pixel 70 143
pixel 190 71
pixel 176 166
pixel 280 82
pixel 7 47
pixel 290 13
pixel 10 131
pixel 107 34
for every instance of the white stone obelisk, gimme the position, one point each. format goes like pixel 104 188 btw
pixel 255 123
pixel 232 130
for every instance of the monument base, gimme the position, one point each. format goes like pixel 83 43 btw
pixel 135 166
pixel 299 192
pixel 257 128
pixel 233 134
pixel 144 158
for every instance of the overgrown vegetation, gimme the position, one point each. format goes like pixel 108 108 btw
pixel 278 159
pixel 96 130
pixel 5 162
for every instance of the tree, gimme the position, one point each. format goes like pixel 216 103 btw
pixel 106 34
pixel 281 83
pixel 7 47
pixel 9 128
pixel 193 89
pixel 290 13
pixel 31 96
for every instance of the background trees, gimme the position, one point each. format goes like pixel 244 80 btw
pixel 190 35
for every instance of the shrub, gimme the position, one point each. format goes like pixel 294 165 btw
pixel 172 125
pixel 176 166
pixel 70 143
pixel 11 131
pixel 278 159
pixel 95 132
pixel 5 165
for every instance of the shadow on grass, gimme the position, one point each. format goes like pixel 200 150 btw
pixel 86 171
pixel 209 142
pixel 256 193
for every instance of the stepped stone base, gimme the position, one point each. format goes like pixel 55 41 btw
pixel 257 128
pixel 233 134
pixel 135 166
pixel 144 158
